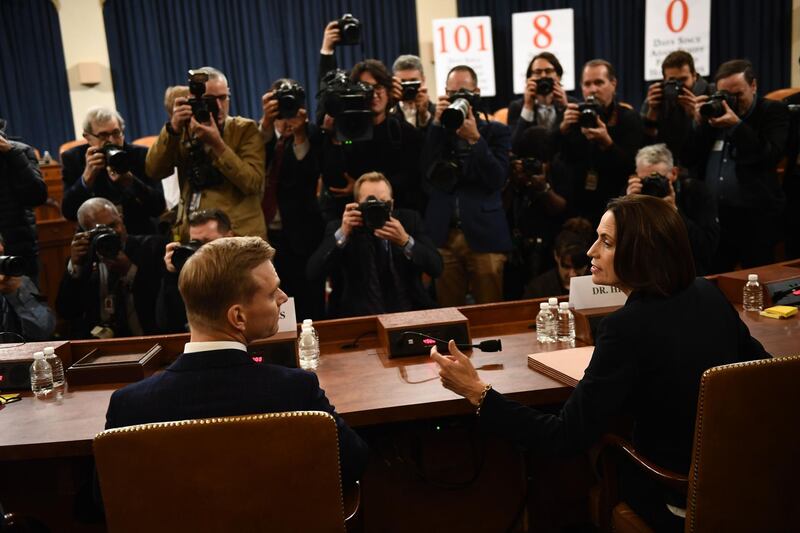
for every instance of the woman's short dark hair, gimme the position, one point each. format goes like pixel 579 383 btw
pixel 379 72
pixel 574 240
pixel 653 254
pixel 547 56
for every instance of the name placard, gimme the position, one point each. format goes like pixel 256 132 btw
pixel 287 320
pixel 583 294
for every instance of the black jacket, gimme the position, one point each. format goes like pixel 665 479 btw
pixel 21 189
pixel 366 290
pixel 79 299
pixel 758 144
pixel 142 201
pixel 518 125
pixel 699 212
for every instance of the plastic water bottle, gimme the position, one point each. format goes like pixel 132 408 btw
pixel 309 349
pixel 545 325
pixel 47 158
pixel 57 367
pixel 310 323
pixel 553 304
pixel 566 323
pixel 41 376
pixel 753 295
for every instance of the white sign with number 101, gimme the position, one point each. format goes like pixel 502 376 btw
pixel 464 41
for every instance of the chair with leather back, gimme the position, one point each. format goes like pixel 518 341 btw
pixel 70 144
pixel 501 115
pixel 146 141
pixel 745 462
pixel 271 472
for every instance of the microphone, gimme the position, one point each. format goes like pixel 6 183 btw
pixel 484 346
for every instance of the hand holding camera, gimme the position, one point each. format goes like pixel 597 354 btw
pixel 208 134
pixel 598 134
pixel 269 105
pixel 351 218
pixel 656 185
pixel 393 231
pixel 655 96
pixel 79 248
pixel 5 146
pixel 571 117
pixel 95 163
pixel 10 284
pixel 469 129
pixel 168 251
pixel 181 114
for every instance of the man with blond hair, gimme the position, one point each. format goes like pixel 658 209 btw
pixel 233 297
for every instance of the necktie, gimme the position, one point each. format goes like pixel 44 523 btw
pixel 269 204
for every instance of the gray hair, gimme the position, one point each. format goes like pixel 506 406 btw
pixel 655 154
pixel 408 62
pixel 101 115
pixel 213 74
pixel 89 209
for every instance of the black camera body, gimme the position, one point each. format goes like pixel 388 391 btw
pixel 410 90
pixel 714 108
pixel 349 103
pixel 532 166
pixel 117 158
pixel 350 30
pixel 656 185
pixel 671 89
pixel 203 107
pixel 104 241
pixel 589 110
pixel 461 101
pixel 182 253
pixel 12 265
pixel 291 97
pixel 544 86
pixel 374 212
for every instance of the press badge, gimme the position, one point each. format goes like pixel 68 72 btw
pixel 194 202
pixel 718 145
pixel 591 181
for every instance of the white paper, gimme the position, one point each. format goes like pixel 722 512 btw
pixel 464 41
pixel 287 320
pixel 672 25
pixel 534 32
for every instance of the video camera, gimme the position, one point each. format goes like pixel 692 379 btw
pixel 410 90
pixel 589 110
pixel 349 29
pixel 117 158
pixel 544 86
pixel 182 253
pixel 104 242
pixel 375 212
pixel 203 107
pixel 656 185
pixel 714 108
pixel 455 114
pixel 291 97
pixel 12 265
pixel 349 103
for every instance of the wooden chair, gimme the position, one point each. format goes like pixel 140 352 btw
pixel 271 472
pixel 70 144
pixel 780 94
pixel 745 466
pixel 146 141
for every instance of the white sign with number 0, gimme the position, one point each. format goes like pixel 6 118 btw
pixel 464 41
pixel 676 25
pixel 551 31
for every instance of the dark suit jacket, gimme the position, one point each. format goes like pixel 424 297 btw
pixel 518 125
pixel 79 299
pixel 356 264
pixel 141 201
pixel 228 383
pixel 759 143
pixel 476 196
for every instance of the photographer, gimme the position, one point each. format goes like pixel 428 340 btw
pixel 599 139
pixel 220 158
pixel 290 206
pixel 569 251
pixel 21 189
pixel 204 226
pixel 668 109
pixel 466 169
pixel 393 148
pixel 536 200
pixel 108 167
pixel 414 104
pixel 657 175
pixel 380 253
pixel 544 101
pixel 736 144
pixel 112 278
pixel 22 310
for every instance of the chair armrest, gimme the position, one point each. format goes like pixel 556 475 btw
pixel 666 477
pixel 352 500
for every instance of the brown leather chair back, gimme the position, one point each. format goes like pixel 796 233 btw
pixel 745 473
pixel 145 141
pixel 501 115
pixel 272 472
pixel 780 94
pixel 70 144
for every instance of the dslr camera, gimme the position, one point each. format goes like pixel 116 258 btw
pixel 655 185
pixel 117 158
pixel 182 253
pixel 104 243
pixel 455 114
pixel 544 86
pixel 291 97
pixel 532 166
pixel 713 108
pixel 349 29
pixel 12 265
pixel 203 107
pixel 374 212
pixel 671 89
pixel 589 110
pixel 349 103
pixel 410 90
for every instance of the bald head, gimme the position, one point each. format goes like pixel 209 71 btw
pixel 95 209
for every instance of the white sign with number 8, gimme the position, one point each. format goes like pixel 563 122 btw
pixel 464 41
pixel 534 32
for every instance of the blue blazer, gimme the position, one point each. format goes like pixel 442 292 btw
pixel 476 197
pixel 228 383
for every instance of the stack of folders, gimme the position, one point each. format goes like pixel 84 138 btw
pixel 564 366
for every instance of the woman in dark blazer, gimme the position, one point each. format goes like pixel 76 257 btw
pixel 648 357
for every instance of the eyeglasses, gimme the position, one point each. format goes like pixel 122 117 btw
pixel 106 135
pixel 543 72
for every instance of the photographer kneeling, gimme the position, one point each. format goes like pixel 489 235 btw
pixel 112 278
pixel 380 253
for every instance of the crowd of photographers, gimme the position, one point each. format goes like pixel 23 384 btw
pixel 392 199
